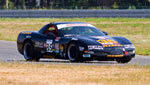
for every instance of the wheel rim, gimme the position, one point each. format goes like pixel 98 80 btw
pixel 72 52
pixel 27 51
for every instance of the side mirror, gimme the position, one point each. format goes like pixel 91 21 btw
pixel 51 34
pixel 105 33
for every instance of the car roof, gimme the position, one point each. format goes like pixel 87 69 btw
pixel 57 23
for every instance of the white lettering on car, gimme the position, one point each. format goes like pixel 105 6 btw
pixel 49 45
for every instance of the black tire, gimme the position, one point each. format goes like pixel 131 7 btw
pixel 29 53
pixel 124 60
pixel 73 53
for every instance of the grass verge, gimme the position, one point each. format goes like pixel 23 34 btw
pixel 49 74
pixel 135 29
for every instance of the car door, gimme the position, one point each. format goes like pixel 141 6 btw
pixel 44 41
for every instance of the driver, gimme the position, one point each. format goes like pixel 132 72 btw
pixel 51 29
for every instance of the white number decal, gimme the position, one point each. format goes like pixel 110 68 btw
pixel 49 45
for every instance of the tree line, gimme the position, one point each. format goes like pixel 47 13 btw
pixel 74 4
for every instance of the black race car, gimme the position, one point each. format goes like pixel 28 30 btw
pixel 76 41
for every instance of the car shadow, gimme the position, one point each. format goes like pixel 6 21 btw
pixel 59 61
pixel 85 62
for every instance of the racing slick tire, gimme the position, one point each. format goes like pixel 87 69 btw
pixel 124 60
pixel 29 53
pixel 73 53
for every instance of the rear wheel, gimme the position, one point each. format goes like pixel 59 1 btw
pixel 28 51
pixel 124 60
pixel 73 53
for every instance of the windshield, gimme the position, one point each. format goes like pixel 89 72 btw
pixel 80 30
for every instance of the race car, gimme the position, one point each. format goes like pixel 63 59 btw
pixel 75 41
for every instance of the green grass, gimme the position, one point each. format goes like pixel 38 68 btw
pixel 135 29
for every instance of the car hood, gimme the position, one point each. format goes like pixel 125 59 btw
pixel 104 41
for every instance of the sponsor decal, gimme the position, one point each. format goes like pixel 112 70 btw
pixel 114 55
pixel 109 43
pixel 39 45
pixel 56 47
pixel 61 48
pixel 44 45
pixel 99 37
pixel 28 36
pixel 81 48
pixel 57 39
pixel 74 39
pixel 62 55
pixel 48 56
pixel 95 47
pixel 86 55
pixel 49 45
pixel 53 48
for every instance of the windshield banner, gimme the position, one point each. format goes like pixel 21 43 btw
pixel 71 25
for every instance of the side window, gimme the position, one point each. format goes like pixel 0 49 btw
pixel 64 31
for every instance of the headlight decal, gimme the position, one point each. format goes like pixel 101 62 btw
pixel 81 48
pixel 129 46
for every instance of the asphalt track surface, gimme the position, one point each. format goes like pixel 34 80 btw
pixel 9 53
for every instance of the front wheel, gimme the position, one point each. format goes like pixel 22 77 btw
pixel 73 53
pixel 28 51
pixel 124 60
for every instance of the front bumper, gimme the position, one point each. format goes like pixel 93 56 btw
pixel 109 52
